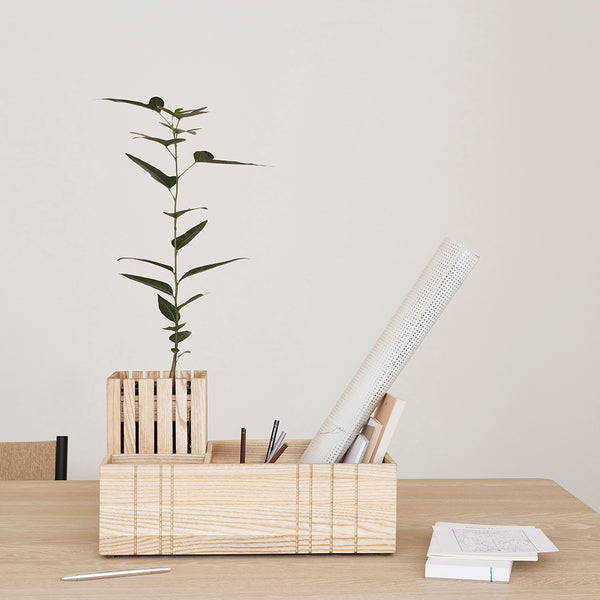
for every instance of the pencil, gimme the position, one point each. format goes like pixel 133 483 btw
pixel 243 446
pixel 106 574
pixel 276 446
pixel 279 452
pixel 272 440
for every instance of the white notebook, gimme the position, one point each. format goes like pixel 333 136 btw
pixel 357 450
pixel 460 568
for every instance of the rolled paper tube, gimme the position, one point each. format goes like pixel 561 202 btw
pixel 426 301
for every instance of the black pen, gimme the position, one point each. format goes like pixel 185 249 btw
pixel 272 440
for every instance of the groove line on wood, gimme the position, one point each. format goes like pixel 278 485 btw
pixel 135 505
pixel 172 505
pixel 310 503
pixel 297 508
pixel 160 509
pixel 331 509
pixel 356 509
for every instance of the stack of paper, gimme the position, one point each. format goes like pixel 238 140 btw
pixel 483 552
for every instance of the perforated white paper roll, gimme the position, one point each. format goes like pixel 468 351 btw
pixel 433 291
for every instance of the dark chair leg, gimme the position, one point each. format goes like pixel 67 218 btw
pixel 60 469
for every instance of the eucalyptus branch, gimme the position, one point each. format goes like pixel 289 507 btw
pixel 169 306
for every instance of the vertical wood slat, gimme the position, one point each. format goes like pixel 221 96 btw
pixel 304 510
pixel 181 416
pixel 129 416
pixel 198 415
pixel 164 415
pixel 148 509
pixel 321 498
pixel 166 509
pixel 345 509
pixel 146 416
pixel 117 499
pixel 113 416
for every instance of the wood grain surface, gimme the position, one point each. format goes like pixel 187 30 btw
pixel 50 529
pixel 219 506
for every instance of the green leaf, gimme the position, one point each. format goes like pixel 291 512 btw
pixel 155 103
pixel 154 283
pixel 146 260
pixel 203 156
pixel 235 162
pixel 165 143
pixel 178 131
pixel 167 309
pixel 182 212
pixel 192 113
pixel 174 327
pixel 181 114
pixel 157 174
pixel 206 157
pixel 180 336
pixel 185 238
pixel 182 353
pixel 207 267
pixel 190 300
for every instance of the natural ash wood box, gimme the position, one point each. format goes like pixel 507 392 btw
pixel 208 503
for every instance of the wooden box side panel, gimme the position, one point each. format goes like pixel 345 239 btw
pixel 176 508
pixel 189 509
pixel 117 509
pixel 229 509
pixel 347 508
pixel 377 490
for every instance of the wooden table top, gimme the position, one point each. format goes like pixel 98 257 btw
pixel 50 528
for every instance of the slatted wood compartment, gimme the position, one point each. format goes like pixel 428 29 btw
pixel 148 415
pixel 177 502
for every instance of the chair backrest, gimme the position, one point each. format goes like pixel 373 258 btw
pixel 147 414
pixel 34 460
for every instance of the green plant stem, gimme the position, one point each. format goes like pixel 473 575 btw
pixel 186 170
pixel 175 349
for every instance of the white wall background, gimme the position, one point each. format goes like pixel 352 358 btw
pixel 389 125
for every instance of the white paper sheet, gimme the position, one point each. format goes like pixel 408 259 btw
pixel 514 542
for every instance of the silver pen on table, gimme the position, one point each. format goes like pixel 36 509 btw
pixel 107 574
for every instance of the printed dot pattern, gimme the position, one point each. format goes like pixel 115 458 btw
pixel 440 280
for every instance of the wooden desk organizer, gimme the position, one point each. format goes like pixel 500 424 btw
pixel 165 490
